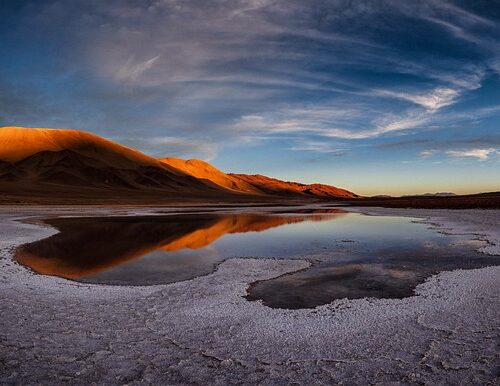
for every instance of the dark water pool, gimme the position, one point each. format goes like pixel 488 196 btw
pixel 353 255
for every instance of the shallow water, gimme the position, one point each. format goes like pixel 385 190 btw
pixel 352 255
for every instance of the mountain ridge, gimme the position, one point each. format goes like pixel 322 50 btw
pixel 204 170
pixel 273 185
pixel 72 163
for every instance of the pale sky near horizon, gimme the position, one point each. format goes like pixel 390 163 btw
pixel 379 97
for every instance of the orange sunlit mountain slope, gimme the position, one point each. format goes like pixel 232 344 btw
pixel 203 170
pixel 256 184
pixel 274 186
pixel 50 163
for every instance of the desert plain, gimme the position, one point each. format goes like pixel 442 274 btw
pixel 204 331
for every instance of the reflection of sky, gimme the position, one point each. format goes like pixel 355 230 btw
pixel 387 258
pixel 393 249
pixel 160 267
pixel 312 237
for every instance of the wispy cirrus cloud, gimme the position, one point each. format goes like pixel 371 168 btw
pixel 318 147
pixel 436 99
pixel 173 147
pixel 228 72
pixel 131 70
pixel 442 144
pixel 329 122
pixel 453 87
pixel 480 154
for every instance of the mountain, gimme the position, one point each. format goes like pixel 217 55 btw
pixel 256 184
pixel 489 200
pixel 17 143
pixel 52 161
pixel 274 186
pixel 205 171
pixel 438 194
pixel 44 165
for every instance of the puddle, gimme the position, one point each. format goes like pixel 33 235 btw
pixel 353 255
pixel 147 250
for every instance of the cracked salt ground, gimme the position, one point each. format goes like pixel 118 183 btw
pixel 202 330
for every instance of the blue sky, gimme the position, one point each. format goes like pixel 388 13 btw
pixel 378 97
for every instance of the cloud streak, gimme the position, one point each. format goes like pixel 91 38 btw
pixel 173 147
pixel 132 70
pixel 327 121
pixel 480 154
pixel 432 101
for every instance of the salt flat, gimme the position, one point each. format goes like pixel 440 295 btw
pixel 202 331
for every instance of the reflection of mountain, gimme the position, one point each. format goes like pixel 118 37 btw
pixel 87 246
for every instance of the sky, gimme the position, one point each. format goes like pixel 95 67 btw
pixel 378 97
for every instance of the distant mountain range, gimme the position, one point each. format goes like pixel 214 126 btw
pixel 439 194
pixel 75 165
pixel 255 184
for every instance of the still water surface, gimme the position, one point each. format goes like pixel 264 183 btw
pixel 352 255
